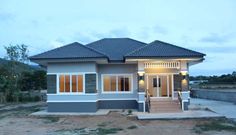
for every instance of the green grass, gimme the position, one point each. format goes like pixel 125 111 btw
pixel 50 119
pixel 105 131
pixel 216 125
pixel 84 131
pixel 132 127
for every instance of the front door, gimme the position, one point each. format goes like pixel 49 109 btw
pixel 158 85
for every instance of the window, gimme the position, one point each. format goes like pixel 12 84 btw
pixel 117 83
pixel 70 83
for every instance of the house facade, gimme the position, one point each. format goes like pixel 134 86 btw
pixel 117 73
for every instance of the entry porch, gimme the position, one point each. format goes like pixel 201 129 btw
pixel 163 86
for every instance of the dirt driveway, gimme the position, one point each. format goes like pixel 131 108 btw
pixel 15 120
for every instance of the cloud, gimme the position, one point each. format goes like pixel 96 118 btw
pixel 215 38
pixel 122 32
pixel 160 30
pixel 217 49
pixel 81 38
pixel 57 43
pixel 115 33
pixel 4 16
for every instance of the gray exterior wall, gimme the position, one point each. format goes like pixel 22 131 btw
pixel 117 104
pixel 117 69
pixel 93 99
pixel 71 67
pixel 71 98
pixel 72 107
pixel 140 107
pixel 93 106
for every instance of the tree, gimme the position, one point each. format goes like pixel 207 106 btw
pixel 15 54
pixel 234 73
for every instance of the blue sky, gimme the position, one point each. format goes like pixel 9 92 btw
pixel 207 26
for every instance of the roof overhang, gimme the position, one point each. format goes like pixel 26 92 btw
pixel 44 62
pixel 190 60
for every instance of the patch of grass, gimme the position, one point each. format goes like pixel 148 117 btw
pixel 86 131
pixel 132 127
pixel 216 125
pixel 72 131
pixel 105 131
pixel 51 119
pixel 130 112
pixel 104 124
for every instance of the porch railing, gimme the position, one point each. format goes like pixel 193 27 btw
pixel 175 64
pixel 148 101
pixel 184 99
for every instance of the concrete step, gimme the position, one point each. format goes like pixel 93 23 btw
pixel 164 106
pixel 165 111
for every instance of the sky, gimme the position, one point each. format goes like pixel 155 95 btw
pixel 207 26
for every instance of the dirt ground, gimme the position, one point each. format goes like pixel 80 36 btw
pixel 15 120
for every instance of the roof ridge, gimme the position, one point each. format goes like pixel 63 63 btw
pixel 99 52
pixel 176 46
pixel 137 49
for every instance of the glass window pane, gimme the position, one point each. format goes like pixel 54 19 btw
pixel 106 83
pixel 74 88
pixel 62 83
pixel 113 83
pixel 109 83
pixel 120 83
pixel 67 83
pixel 124 83
pixel 80 83
pixel 127 84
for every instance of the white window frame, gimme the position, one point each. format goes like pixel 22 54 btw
pixel 117 91
pixel 74 73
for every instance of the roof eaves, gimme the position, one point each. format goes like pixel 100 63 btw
pixel 163 57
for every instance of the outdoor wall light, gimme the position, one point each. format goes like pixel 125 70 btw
pixel 184 74
pixel 141 75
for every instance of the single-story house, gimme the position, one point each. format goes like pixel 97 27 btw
pixel 118 73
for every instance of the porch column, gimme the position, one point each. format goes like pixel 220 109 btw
pixel 184 94
pixel 141 86
pixel 184 76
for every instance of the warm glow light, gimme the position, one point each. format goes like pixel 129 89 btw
pixel 184 73
pixel 141 82
pixel 140 73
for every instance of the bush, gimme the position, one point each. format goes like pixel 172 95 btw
pixel 37 98
pixel 129 112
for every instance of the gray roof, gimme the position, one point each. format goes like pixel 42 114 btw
pixel 159 49
pixel 116 48
pixel 70 51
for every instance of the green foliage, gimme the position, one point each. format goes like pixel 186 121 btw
pixel 106 131
pixel 17 53
pixel 223 79
pixel 129 112
pixel 132 127
pixel 15 76
pixel 216 125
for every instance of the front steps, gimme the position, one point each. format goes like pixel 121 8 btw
pixel 164 106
